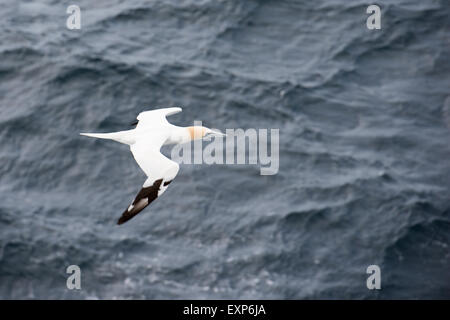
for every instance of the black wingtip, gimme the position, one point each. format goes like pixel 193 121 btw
pixel 120 221
pixel 142 200
pixel 134 123
pixel 124 217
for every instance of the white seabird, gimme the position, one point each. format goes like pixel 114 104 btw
pixel 153 131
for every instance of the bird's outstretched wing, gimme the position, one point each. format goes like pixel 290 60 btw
pixel 154 118
pixel 159 170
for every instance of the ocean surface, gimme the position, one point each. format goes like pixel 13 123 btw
pixel 364 147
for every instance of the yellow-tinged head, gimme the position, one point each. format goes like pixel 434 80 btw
pixel 199 132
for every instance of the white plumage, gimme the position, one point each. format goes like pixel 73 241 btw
pixel 151 133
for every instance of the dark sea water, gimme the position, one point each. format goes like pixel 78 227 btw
pixel 364 178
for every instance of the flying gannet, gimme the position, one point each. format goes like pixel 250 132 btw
pixel 153 131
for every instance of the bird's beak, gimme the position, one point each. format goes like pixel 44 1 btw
pixel 214 133
pixel 217 133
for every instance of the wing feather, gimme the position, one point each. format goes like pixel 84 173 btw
pixel 159 169
pixel 155 118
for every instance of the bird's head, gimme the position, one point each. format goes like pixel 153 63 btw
pixel 199 132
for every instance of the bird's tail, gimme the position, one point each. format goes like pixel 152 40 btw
pixel 121 137
pixel 110 136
